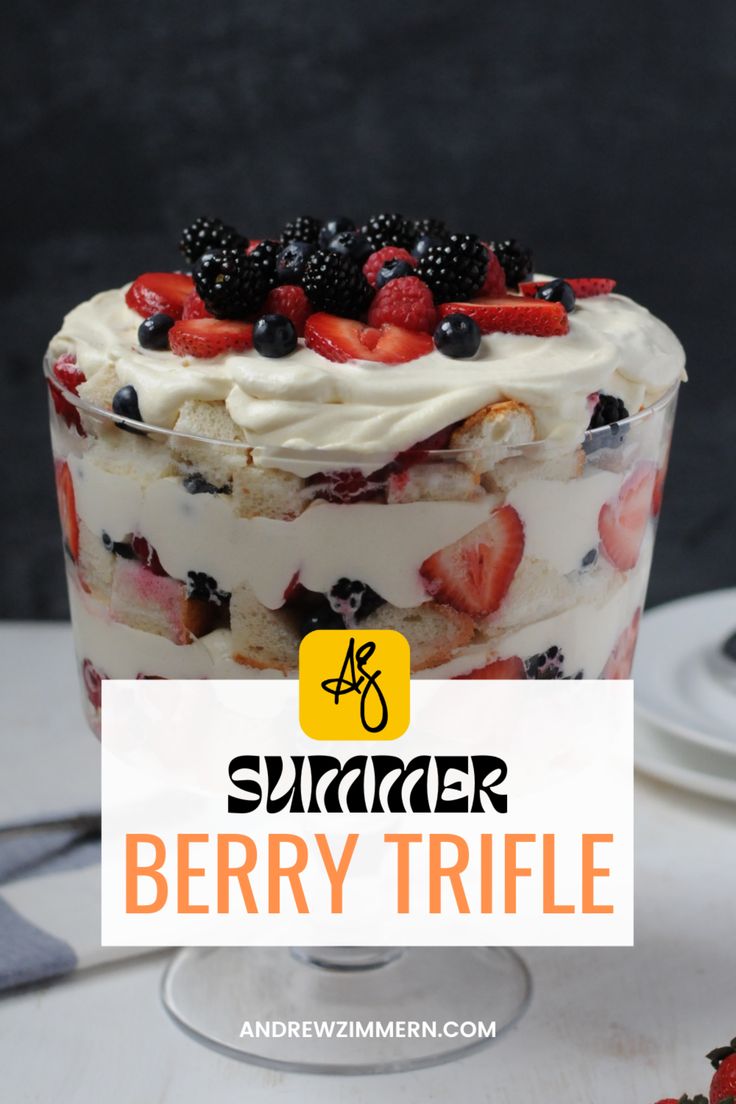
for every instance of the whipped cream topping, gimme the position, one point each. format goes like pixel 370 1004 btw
pixel 366 409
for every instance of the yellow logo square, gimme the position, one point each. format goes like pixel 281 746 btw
pixel 354 684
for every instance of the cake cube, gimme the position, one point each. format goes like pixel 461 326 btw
pixel 262 638
pixel 434 631
pixel 267 492
pixel 216 462
pixel 95 564
pixel 448 481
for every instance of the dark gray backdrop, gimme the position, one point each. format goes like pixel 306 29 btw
pixel 599 133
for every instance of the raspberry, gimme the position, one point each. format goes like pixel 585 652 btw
pixel 377 260
pixel 405 302
pixel 291 301
pixel 495 282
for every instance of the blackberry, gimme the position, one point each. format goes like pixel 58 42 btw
pixel 429 227
pixel 456 269
pixel 230 283
pixel 197 484
pixel 303 228
pixel 334 283
pixel 206 234
pixel 264 257
pixel 392 229
pixel 202 586
pixel 333 227
pixel 609 411
pixel 353 600
pixel 549 665
pixel 516 260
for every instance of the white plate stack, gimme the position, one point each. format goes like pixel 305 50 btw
pixel 685 694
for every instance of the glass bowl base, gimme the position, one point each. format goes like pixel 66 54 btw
pixel 294 1010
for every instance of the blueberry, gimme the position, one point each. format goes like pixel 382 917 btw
pixel 119 548
pixel 423 244
pixel 291 261
pixel 457 336
pixel 333 227
pixel 274 335
pixel 197 484
pixel 321 616
pixel 351 243
pixel 590 557
pixel 125 403
pixel 153 332
pixel 557 291
pixel 391 270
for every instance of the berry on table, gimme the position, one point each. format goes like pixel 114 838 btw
pixel 206 234
pixel 274 335
pixel 230 283
pixel 723 1083
pixel 457 336
pixel 334 283
pixel 405 302
pixel 159 293
pixel 304 228
pixel 557 291
pixel 455 269
pixel 291 261
pixel 153 332
pixel 516 260
pixel 342 339
pixel 389 229
pixel 331 228
pixel 290 300
pixel 208 337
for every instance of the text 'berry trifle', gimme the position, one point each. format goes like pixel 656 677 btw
pixel 393 426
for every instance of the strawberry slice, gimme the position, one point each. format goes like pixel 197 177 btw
pixel 69 376
pixel 474 574
pixel 208 337
pixel 619 663
pixel 511 668
pixel 585 287
pixel 623 521
pixel 343 339
pixel 67 508
pixel 513 314
pixel 194 307
pixel 160 293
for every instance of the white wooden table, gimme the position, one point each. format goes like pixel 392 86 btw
pixel 605 1026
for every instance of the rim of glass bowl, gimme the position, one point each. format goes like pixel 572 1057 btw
pixel 344 457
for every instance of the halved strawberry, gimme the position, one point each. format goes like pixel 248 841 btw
pixel 208 337
pixel 291 301
pixel 67 508
pixel 619 663
pixel 343 339
pixel 585 287
pixel 160 293
pixel 474 574
pixel 511 668
pixel 194 307
pixel 623 521
pixel 377 260
pixel 513 314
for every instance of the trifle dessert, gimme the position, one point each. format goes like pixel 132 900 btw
pixel 385 426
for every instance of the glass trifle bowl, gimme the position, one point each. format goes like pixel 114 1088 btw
pixel 490 493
